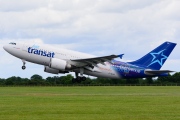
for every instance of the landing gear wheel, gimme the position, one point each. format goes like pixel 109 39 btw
pixel 78 79
pixel 83 78
pixel 73 80
pixel 23 67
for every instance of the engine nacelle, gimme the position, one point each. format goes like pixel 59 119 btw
pixel 51 70
pixel 59 64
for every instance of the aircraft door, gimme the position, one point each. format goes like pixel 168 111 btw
pixel 25 48
pixel 25 51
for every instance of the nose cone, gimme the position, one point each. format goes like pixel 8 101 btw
pixel 5 47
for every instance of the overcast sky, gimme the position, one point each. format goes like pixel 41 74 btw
pixel 99 27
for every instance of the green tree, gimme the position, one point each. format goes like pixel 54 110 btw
pixel 103 81
pixel 66 79
pixel 36 80
pixel 2 81
pixel 36 77
pixel 176 77
pixel 163 79
pixel 51 80
pixel 142 81
pixel 149 80
pixel 88 81
pixel 132 81
pixel 10 81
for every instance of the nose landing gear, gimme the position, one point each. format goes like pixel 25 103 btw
pixel 23 67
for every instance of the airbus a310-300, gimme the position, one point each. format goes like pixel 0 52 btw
pixel 57 60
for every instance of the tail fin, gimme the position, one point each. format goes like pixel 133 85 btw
pixel 156 58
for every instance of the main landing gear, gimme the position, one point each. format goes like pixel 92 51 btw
pixel 78 79
pixel 23 67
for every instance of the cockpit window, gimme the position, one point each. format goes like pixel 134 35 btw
pixel 12 43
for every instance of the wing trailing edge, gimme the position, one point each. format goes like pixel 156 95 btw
pixel 94 61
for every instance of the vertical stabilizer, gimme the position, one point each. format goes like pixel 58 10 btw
pixel 157 57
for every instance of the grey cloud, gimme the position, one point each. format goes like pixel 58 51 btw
pixel 122 6
pixel 21 5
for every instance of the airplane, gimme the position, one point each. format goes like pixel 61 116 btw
pixel 58 60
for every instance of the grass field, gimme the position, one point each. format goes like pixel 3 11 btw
pixel 91 103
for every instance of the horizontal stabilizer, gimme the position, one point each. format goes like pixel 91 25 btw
pixel 156 72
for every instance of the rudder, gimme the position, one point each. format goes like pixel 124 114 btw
pixel 157 57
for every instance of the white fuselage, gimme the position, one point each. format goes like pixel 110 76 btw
pixel 42 54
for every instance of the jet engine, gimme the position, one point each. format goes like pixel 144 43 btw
pixel 59 64
pixel 51 70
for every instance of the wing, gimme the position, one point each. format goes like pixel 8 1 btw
pixel 91 62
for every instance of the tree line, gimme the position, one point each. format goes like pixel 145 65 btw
pixel 37 80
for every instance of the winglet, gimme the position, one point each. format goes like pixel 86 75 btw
pixel 120 56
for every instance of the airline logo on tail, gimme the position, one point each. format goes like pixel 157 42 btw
pixel 158 57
